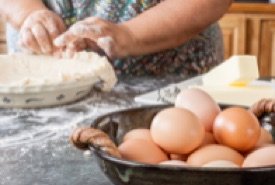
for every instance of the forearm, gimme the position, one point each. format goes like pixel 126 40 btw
pixel 172 22
pixel 15 11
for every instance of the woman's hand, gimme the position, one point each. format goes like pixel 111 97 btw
pixel 114 39
pixel 39 30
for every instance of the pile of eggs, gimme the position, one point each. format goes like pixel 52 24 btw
pixel 196 132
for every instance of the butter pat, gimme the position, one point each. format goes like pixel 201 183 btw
pixel 236 71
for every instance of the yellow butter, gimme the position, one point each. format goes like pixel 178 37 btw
pixel 236 71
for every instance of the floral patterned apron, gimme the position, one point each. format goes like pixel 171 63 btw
pixel 196 56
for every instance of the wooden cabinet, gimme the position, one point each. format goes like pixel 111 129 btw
pixel 234 34
pixel 267 56
pixel 3 48
pixel 250 29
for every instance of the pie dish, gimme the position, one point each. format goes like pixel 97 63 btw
pixel 29 81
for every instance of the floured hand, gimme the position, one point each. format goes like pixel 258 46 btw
pixel 114 39
pixel 39 30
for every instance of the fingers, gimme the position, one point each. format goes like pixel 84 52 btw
pixel 72 48
pixel 107 45
pixel 92 46
pixel 42 37
pixel 52 28
pixel 86 30
pixel 28 41
pixel 65 39
pixel 100 36
pixel 60 24
pixel 81 30
pixel 78 45
pixel 39 30
pixel 36 39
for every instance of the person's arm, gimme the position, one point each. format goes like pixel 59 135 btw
pixel 172 22
pixel 16 11
pixel 167 25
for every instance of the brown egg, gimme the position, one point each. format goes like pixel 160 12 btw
pixel 214 152
pixel 201 104
pixel 179 157
pixel 245 154
pixel 237 128
pixel 174 163
pixel 143 151
pixel 264 156
pixel 177 130
pixel 265 138
pixel 138 134
pixel 208 139
pixel 221 164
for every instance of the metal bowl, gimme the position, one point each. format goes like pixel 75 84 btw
pixel 122 172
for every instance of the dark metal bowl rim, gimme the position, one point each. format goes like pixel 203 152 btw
pixel 104 156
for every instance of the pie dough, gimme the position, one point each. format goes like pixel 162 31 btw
pixel 21 70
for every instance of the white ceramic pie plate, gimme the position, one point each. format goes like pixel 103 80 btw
pixel 28 81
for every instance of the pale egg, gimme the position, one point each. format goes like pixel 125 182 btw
pixel 237 128
pixel 177 130
pixel 174 163
pixel 143 151
pixel 264 156
pixel 221 164
pixel 138 134
pixel 201 104
pixel 214 152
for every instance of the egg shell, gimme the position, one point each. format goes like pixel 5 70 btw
pixel 261 157
pixel 179 157
pixel 221 164
pixel 177 130
pixel 174 163
pixel 265 138
pixel 201 104
pixel 245 154
pixel 208 139
pixel 214 152
pixel 138 134
pixel 143 151
pixel 237 128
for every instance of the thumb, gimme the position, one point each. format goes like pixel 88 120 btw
pixel 107 45
pixel 64 39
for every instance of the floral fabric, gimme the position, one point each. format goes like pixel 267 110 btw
pixel 194 57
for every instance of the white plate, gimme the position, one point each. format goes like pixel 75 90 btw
pixel 227 95
pixel 28 81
